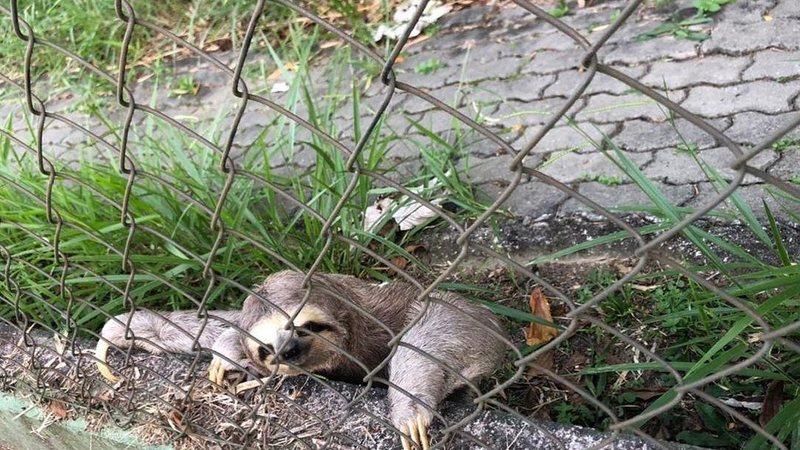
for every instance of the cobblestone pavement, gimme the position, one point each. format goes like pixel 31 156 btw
pixel 503 67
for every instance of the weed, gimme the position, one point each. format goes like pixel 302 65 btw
pixel 795 179
pixel 785 143
pixel 688 148
pixel 606 180
pixel 428 67
pixel 561 9
pixel 683 26
pixel 185 85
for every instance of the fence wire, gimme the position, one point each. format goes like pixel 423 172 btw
pixel 172 395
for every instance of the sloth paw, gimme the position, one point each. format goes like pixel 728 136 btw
pixel 416 431
pixel 216 372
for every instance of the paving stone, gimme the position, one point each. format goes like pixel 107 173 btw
pixel 722 101
pixel 634 52
pixel 457 40
pixel 553 40
pixel 475 15
pixel 545 61
pixel 753 196
pixel 744 11
pixel 514 114
pixel 715 70
pixel 751 127
pixel 454 96
pixel 644 136
pixel 605 108
pixel 534 199
pixel 569 80
pixel 677 167
pixel 484 69
pixel 623 195
pixel 567 137
pixel 477 144
pixel 495 168
pixel 430 80
pixel 727 37
pixel 510 13
pixel 573 167
pixel 524 88
pixel 439 121
pixel 630 30
pixel 786 9
pixel 788 165
pixel 775 65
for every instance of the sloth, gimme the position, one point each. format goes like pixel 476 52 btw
pixel 340 330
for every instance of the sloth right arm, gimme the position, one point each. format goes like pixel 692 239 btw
pixel 159 332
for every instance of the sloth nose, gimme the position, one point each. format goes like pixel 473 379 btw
pixel 289 350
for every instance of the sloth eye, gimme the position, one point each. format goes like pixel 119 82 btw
pixel 314 327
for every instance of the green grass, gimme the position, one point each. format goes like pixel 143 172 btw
pixel 92 31
pixel 173 236
pixel 693 329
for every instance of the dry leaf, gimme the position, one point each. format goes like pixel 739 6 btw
pixel 175 420
pixel 106 396
pixel 219 45
pixel 58 409
pixel 415 249
pixel 772 402
pixel 537 333
pixel 277 73
pixel 643 288
pixel 399 262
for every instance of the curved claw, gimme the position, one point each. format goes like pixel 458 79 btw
pixel 416 431
pixel 101 353
pixel 216 371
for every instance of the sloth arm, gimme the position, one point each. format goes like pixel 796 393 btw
pixel 455 333
pixel 159 332
pixel 229 354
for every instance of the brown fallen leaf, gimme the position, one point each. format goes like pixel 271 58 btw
pixel 537 333
pixel 58 409
pixel 290 66
pixel 399 262
pixel 175 420
pixel 772 402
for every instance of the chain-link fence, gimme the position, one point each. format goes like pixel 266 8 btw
pixel 407 334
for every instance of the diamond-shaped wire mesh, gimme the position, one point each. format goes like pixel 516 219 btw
pixel 172 395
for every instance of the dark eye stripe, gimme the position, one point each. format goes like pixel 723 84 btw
pixel 314 327
pixel 264 351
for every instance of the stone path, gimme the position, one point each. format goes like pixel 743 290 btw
pixel 508 70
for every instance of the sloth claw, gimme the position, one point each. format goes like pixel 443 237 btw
pixel 216 371
pixel 416 431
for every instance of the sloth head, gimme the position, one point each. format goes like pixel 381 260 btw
pixel 310 344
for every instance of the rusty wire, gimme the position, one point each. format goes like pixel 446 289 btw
pixel 126 412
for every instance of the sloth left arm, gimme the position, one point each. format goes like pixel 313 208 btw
pixel 228 355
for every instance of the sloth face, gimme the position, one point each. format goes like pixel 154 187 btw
pixel 273 347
